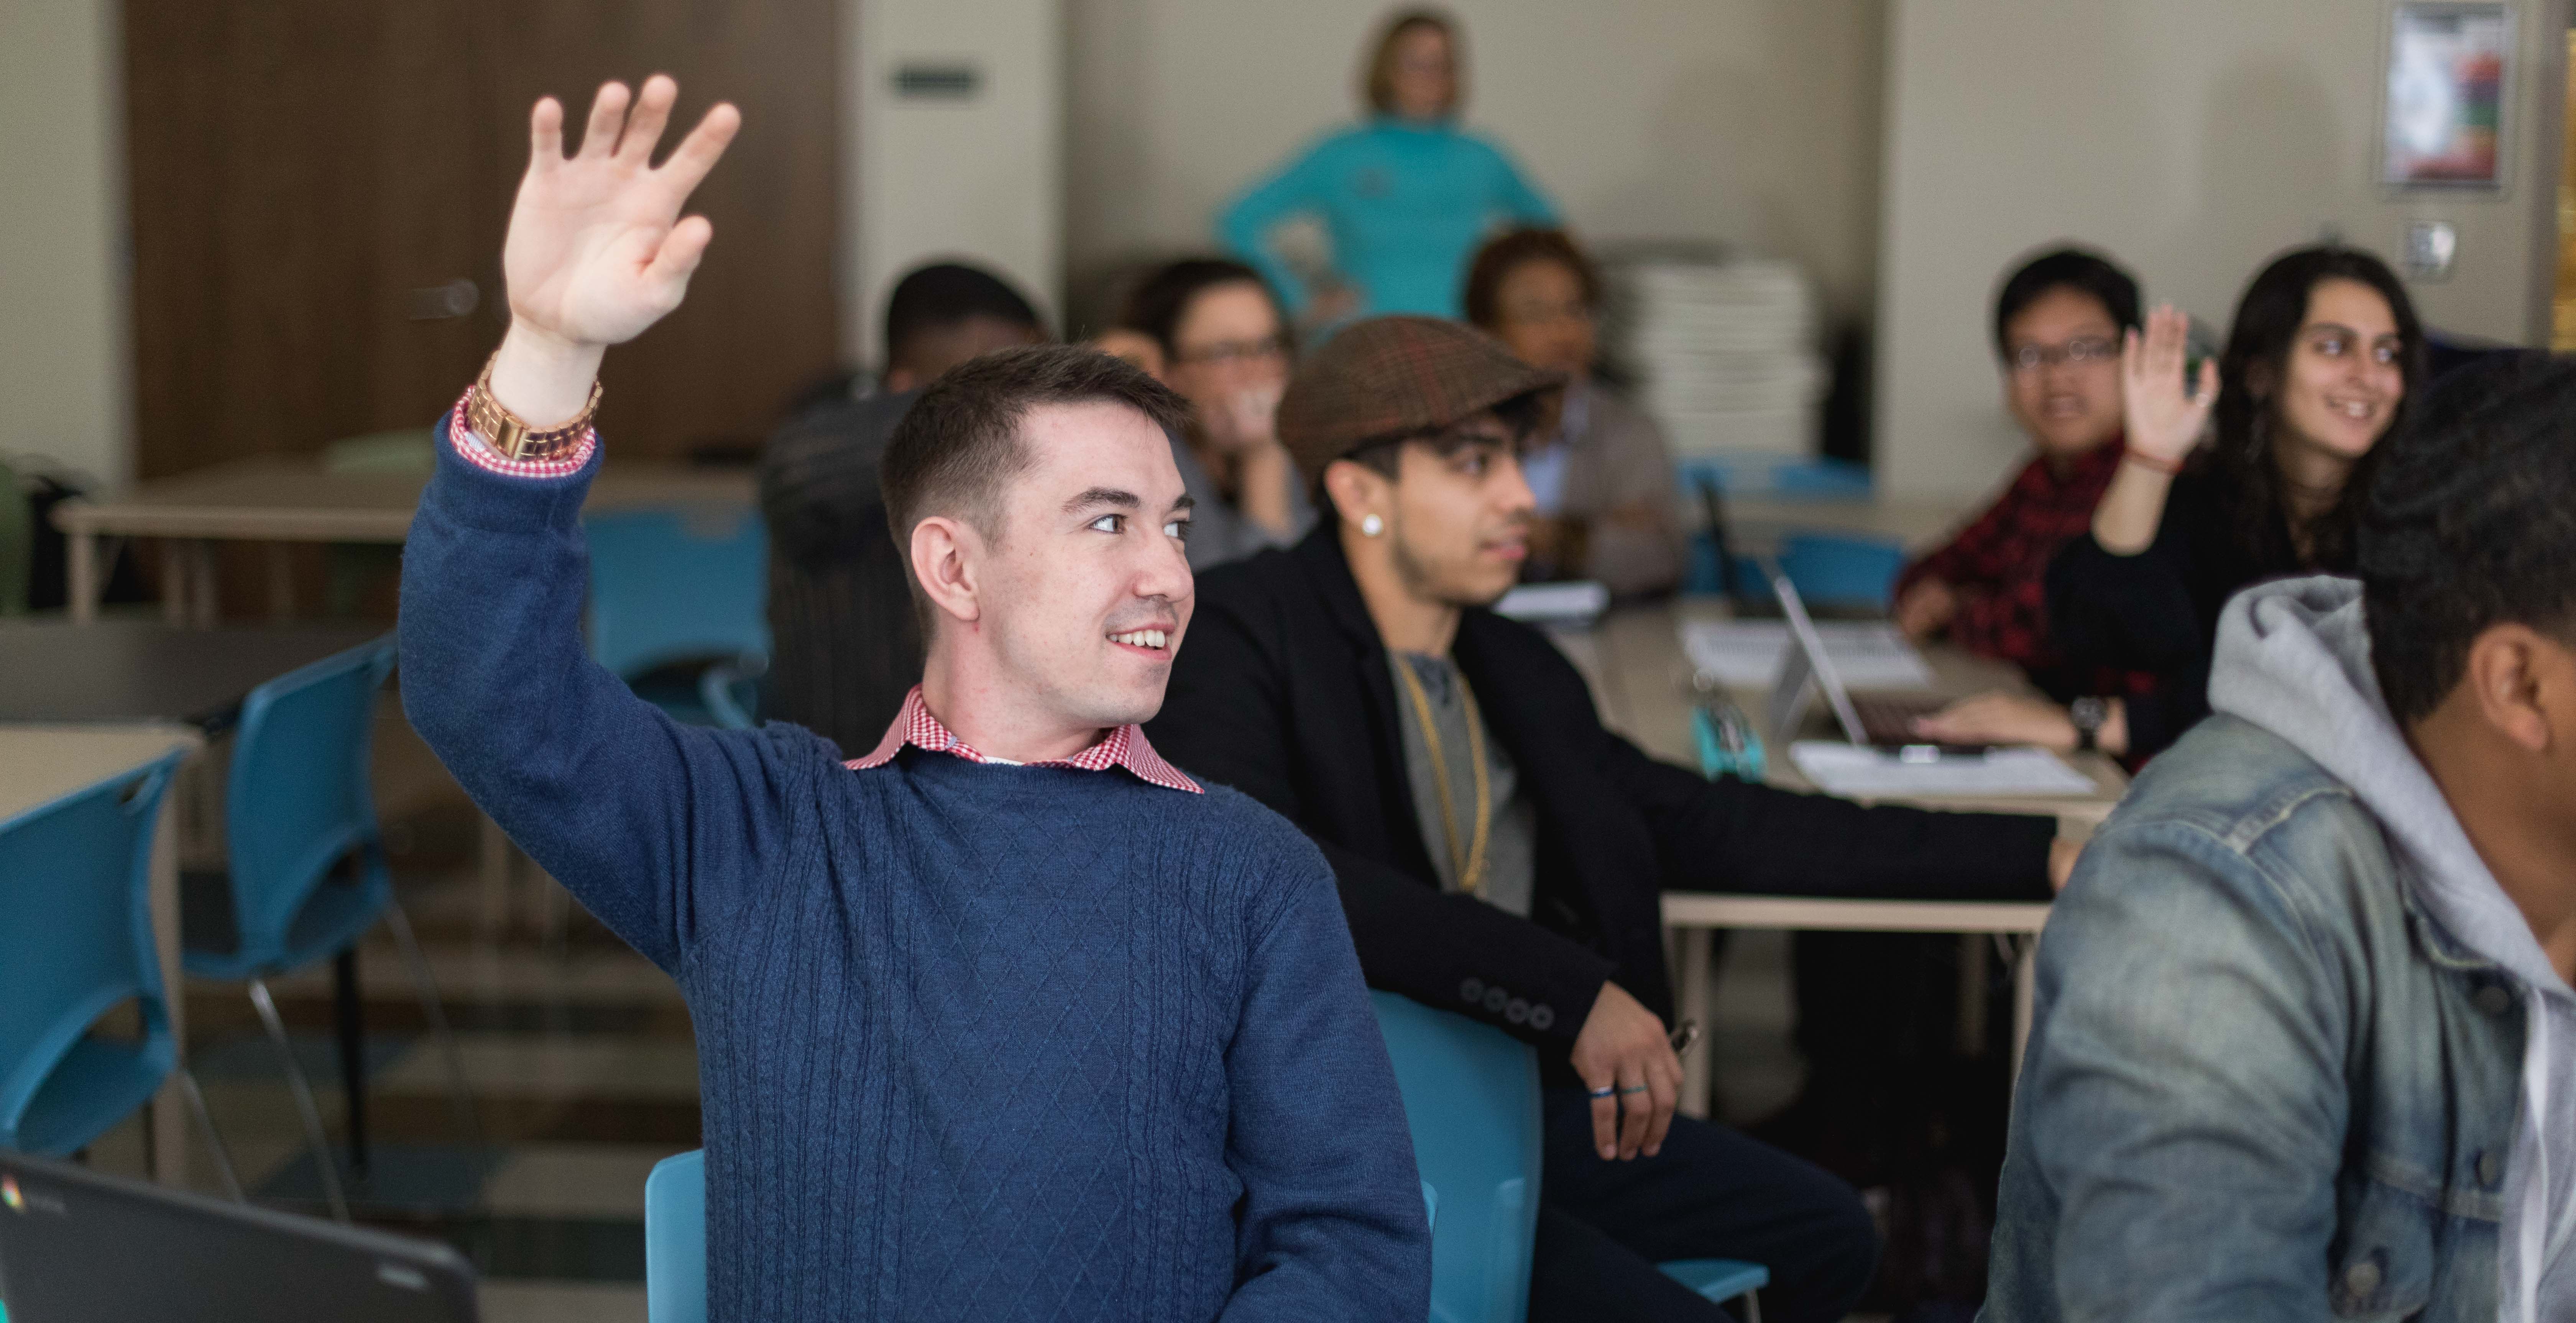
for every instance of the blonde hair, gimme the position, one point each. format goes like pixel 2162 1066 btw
pixel 1377 82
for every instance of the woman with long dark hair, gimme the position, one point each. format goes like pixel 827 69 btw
pixel 1222 341
pixel 2324 355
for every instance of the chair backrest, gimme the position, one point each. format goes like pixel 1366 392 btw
pixel 74 878
pixel 1471 1100
pixel 676 584
pixel 1841 568
pixel 675 1239
pixel 299 797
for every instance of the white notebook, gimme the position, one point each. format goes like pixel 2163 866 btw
pixel 1843 769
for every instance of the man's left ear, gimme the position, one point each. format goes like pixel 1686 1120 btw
pixel 2525 683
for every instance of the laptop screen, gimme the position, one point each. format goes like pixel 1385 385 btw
pixel 77 1247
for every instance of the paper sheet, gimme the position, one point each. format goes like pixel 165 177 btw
pixel 1843 769
pixel 1580 601
pixel 1746 654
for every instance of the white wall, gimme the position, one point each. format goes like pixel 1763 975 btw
pixel 979 178
pixel 1749 121
pixel 2191 138
pixel 63 338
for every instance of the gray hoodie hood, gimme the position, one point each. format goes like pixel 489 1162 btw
pixel 2293 657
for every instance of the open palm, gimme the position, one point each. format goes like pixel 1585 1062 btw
pixel 2165 413
pixel 597 249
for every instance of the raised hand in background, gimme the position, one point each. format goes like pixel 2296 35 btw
pixel 2166 413
pixel 597 249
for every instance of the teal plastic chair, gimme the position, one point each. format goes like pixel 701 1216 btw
pixel 1842 569
pixel 681 587
pixel 1471 1100
pixel 307 876
pixel 75 884
pixel 675 1239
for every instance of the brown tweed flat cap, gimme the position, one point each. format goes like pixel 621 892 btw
pixel 1389 376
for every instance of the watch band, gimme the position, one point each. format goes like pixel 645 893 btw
pixel 512 435
pixel 2088 713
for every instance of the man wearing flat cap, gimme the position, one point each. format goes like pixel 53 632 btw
pixel 1499 853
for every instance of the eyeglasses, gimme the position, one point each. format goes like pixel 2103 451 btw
pixel 1223 352
pixel 2079 351
pixel 1537 313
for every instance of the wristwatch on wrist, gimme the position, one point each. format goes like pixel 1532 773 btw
pixel 2088 713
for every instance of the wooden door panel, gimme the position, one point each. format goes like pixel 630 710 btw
pixel 301 170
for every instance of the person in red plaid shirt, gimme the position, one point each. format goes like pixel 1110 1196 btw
pixel 2058 324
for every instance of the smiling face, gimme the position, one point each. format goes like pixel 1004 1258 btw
pixel 1085 596
pixel 2062 372
pixel 2343 380
pixel 1540 311
pixel 1227 342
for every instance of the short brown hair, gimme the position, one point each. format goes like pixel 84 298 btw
pixel 1508 252
pixel 1377 81
pixel 960 442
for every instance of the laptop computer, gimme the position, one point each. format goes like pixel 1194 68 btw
pixel 1885 723
pixel 78 1246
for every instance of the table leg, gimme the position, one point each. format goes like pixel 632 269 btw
pixel 281 583
pixel 82 552
pixel 1697 984
pixel 174 583
pixel 2025 994
pixel 170 1119
pixel 1972 995
pixel 201 592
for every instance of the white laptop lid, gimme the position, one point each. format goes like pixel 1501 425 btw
pixel 1806 661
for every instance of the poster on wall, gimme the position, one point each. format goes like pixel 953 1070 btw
pixel 2447 65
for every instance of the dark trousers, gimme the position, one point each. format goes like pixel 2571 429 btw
pixel 1710 1194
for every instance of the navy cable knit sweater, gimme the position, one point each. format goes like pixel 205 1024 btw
pixel 976 1041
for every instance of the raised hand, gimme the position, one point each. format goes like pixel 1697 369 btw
pixel 597 249
pixel 2165 413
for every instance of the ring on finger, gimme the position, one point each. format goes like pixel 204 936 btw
pixel 1603 1092
pixel 1633 1088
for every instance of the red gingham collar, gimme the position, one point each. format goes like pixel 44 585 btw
pixel 1124 747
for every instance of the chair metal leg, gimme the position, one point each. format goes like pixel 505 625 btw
pixel 328 1165
pixel 461 1094
pixel 1752 1307
pixel 214 1138
pixel 349 1008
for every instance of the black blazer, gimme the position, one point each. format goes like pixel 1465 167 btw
pixel 1282 691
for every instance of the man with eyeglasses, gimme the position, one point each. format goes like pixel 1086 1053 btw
pixel 1499 853
pixel 2059 321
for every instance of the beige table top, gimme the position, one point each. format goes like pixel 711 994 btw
pixel 39 764
pixel 1642 679
pixel 274 499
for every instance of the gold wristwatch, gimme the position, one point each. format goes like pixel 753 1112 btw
pixel 512 435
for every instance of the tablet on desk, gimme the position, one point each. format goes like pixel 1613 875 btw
pixel 1882 723
pixel 76 1246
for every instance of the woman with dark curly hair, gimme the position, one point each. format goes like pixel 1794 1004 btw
pixel 2324 355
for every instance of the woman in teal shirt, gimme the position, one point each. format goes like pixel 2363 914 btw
pixel 1404 198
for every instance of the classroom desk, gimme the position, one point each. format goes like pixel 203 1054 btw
pixel 42 763
pixel 279 500
pixel 1642 680
pixel 141 671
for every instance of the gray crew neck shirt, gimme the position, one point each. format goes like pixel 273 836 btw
pixel 1511 842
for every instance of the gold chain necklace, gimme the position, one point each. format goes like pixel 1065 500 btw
pixel 1470 870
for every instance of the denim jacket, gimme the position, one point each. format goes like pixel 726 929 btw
pixel 2263 1082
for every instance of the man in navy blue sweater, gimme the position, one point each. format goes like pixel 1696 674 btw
pixel 1009 1019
